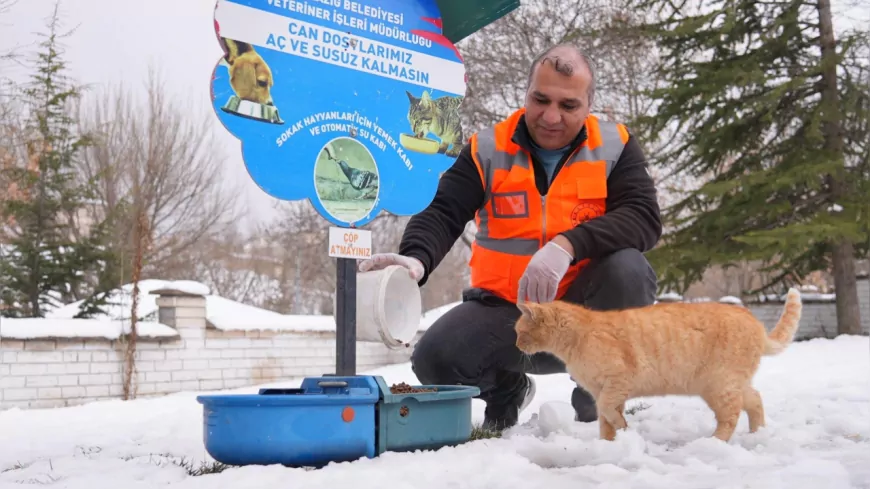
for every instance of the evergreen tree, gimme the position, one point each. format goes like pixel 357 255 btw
pixel 856 103
pixel 752 93
pixel 44 262
pixel 98 255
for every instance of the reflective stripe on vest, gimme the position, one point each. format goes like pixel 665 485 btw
pixel 515 221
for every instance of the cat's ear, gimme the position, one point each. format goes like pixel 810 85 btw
pixel 411 97
pixel 425 98
pixel 528 309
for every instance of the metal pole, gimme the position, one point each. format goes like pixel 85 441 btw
pixel 345 317
pixel 297 281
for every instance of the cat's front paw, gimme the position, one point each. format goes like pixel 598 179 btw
pixel 606 430
pixel 619 423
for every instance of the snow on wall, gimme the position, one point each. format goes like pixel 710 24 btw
pixel 37 328
pixel 222 313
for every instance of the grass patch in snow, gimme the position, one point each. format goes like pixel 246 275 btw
pixel 193 468
pixel 631 411
pixel 480 433
pixel 17 466
pixel 203 468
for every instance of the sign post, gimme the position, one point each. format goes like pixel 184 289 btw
pixel 352 105
pixel 345 317
pixel 347 245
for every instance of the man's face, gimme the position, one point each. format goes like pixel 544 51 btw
pixel 557 105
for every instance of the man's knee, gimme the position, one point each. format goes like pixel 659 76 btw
pixel 438 360
pixel 623 279
pixel 425 360
pixel 626 267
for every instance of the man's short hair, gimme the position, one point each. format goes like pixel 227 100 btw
pixel 564 66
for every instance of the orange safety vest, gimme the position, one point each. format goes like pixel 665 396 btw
pixel 515 220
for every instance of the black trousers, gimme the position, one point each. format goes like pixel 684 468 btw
pixel 475 343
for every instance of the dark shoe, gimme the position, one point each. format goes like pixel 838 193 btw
pixel 498 418
pixel 584 406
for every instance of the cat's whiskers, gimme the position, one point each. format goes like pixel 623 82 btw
pixel 527 362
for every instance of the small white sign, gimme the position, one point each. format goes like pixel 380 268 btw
pixel 350 243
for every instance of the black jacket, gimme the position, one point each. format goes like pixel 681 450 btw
pixel 632 219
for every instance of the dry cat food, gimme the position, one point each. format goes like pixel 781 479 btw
pixel 403 388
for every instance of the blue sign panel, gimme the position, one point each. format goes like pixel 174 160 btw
pixel 353 104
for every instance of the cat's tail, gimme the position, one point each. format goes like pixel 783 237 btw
pixel 783 333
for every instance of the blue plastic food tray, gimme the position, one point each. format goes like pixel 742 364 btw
pixel 333 419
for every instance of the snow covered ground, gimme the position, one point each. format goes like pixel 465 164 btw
pixel 817 397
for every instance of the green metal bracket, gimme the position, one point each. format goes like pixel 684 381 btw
pixel 462 18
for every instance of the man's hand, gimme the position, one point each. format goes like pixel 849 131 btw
pixel 383 260
pixel 540 282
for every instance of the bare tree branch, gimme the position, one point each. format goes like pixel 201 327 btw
pixel 154 156
pixel 12 54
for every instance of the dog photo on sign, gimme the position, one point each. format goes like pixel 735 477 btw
pixel 251 80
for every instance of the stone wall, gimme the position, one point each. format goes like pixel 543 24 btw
pixel 819 317
pixel 53 371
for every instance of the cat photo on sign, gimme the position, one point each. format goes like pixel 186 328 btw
pixel 437 116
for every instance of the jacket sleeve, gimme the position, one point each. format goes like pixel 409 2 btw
pixel 431 234
pixel 632 219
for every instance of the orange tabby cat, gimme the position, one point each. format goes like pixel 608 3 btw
pixel 711 350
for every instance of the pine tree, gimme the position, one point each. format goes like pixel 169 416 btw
pixel 752 95
pixel 856 102
pixel 44 263
pixel 105 265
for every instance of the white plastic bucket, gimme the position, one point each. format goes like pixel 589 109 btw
pixel 388 306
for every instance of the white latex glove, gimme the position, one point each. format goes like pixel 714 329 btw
pixel 380 261
pixel 540 282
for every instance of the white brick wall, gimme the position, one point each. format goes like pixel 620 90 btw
pixel 62 372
